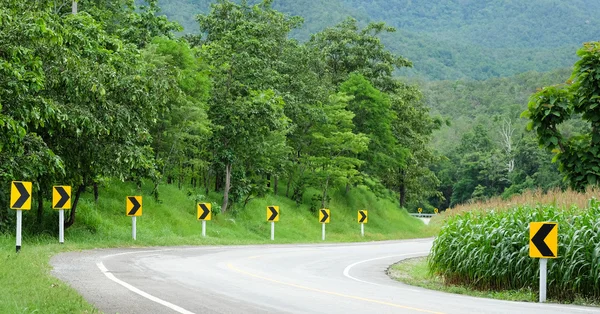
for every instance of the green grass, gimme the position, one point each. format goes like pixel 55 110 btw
pixel 26 285
pixel 415 271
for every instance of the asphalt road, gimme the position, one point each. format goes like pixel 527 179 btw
pixel 328 278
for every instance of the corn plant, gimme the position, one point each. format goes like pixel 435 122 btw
pixel 490 250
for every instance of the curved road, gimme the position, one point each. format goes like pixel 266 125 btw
pixel 327 278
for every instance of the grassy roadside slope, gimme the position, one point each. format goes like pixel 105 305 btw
pixel 26 285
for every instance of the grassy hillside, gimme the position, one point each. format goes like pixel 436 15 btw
pixel 451 39
pixel 26 284
pixel 173 220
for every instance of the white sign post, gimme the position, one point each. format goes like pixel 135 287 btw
pixel 272 230
pixel 362 229
pixel 133 231
pixel 61 226
pixel 543 275
pixel 20 199
pixel 543 244
pixel 204 228
pixel 323 232
pixel 19 221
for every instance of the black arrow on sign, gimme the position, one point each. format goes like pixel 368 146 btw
pixel 24 195
pixel 325 216
pixel 273 213
pixel 205 211
pixel 362 213
pixel 539 240
pixel 64 197
pixel 135 207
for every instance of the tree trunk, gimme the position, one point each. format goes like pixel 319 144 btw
pixel 325 193
pixel 287 190
pixel 71 219
pixel 347 188
pixel 217 181
pixel 402 189
pixel 227 186
pixel 276 185
pixel 193 178
pixel 268 180
pixel 96 192
pixel 206 181
pixel 155 190
pixel 40 209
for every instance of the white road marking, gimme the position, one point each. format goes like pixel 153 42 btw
pixel 133 289
pixel 347 269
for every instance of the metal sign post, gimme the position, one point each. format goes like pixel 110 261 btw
pixel 272 230
pixel 61 226
pixel 543 244
pixel 20 199
pixel 272 216
pixel 133 208
pixel 19 222
pixel 204 213
pixel 363 217
pixel 543 275
pixel 61 200
pixel 133 227
pixel 324 218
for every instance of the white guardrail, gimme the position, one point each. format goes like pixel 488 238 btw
pixel 422 215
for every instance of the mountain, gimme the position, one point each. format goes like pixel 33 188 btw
pixel 465 103
pixel 450 39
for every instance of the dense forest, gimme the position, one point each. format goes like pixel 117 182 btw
pixel 484 150
pixel 110 92
pixel 243 108
pixel 449 39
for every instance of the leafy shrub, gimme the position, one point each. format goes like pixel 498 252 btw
pixel 490 250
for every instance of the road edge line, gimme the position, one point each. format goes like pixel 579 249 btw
pixel 347 269
pixel 146 295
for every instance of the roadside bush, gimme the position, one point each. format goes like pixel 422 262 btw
pixel 490 250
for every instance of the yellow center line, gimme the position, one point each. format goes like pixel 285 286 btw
pixel 330 292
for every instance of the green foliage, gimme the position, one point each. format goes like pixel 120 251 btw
pixel 449 39
pixel 108 93
pixel 490 250
pixel 332 154
pixel 249 118
pixel 179 136
pixel 578 155
pixel 86 101
pixel 347 49
pixel 485 143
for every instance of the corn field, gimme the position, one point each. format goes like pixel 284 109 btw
pixel 490 250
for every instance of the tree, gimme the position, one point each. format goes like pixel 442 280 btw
pixel 243 44
pixel 373 117
pixel 88 102
pixel 578 155
pixel 24 110
pixel 180 135
pixel 334 145
pixel 348 49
